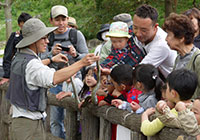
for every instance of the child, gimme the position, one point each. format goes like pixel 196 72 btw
pixel 121 51
pixel 67 88
pixel 146 79
pixel 163 90
pixel 189 118
pixel 181 85
pixel 122 80
pixel 90 82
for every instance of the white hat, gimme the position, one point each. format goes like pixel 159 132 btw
pixel 59 10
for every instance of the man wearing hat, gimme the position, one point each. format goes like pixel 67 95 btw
pixel 76 43
pixel 30 77
pixel 72 23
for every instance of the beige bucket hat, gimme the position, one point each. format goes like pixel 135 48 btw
pixel 33 30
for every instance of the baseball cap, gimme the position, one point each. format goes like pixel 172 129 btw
pixel 59 10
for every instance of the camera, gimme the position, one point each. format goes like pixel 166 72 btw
pixel 65 48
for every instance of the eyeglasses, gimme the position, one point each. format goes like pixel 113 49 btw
pixel 45 38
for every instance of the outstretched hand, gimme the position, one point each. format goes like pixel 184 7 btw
pixel 89 59
pixel 60 58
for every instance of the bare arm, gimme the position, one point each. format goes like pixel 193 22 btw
pixel 65 73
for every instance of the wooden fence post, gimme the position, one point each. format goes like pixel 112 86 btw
pixel 71 124
pixel 89 125
pixel 5 118
pixel 105 129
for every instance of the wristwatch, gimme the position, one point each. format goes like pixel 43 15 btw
pixel 50 58
pixel 76 56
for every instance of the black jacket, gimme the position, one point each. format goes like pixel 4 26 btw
pixel 9 52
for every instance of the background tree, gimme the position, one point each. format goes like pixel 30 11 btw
pixel 170 6
pixel 8 16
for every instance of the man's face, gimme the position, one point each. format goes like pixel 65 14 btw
pixel 144 29
pixel 41 44
pixel 61 22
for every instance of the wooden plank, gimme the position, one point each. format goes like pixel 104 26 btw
pixel 5 107
pixel 104 130
pixel 89 125
pixel 71 124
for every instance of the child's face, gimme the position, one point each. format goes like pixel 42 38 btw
pixel 116 85
pixel 168 94
pixel 104 81
pixel 89 79
pixel 163 94
pixel 196 110
pixel 119 42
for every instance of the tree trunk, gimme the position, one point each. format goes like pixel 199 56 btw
pixel 170 6
pixel 8 17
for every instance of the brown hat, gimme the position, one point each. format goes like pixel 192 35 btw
pixel 72 22
pixel 124 17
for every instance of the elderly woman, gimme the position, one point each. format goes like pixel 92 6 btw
pixel 194 15
pixel 180 37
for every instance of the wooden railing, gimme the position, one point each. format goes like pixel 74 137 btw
pixel 95 121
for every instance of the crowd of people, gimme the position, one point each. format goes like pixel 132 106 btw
pixel 145 69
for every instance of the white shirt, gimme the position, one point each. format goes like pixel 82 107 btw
pixel 158 52
pixel 67 87
pixel 37 75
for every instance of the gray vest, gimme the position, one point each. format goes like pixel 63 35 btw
pixel 18 92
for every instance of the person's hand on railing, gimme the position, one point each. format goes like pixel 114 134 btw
pixel 63 94
pixel 135 106
pixel 180 106
pixel 147 113
pixel 4 80
pixel 116 102
pixel 161 105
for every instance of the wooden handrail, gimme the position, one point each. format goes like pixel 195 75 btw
pixel 109 113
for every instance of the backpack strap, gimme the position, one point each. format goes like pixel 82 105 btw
pixel 51 40
pixel 72 38
pixel 193 63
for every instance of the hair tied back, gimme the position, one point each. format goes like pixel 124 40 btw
pixel 154 77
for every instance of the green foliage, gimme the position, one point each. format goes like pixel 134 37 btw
pixel 90 14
